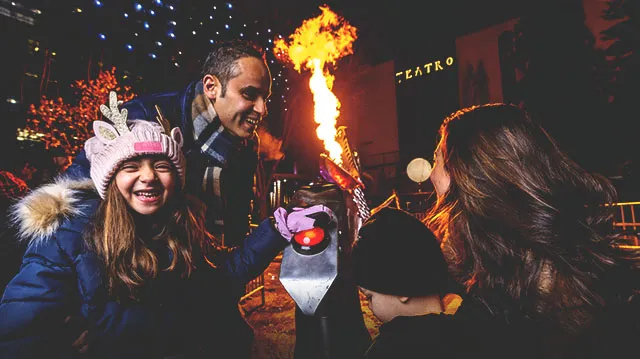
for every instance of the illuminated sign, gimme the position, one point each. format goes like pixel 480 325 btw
pixel 423 70
pixel 16 15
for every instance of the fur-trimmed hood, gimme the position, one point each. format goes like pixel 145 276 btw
pixel 39 214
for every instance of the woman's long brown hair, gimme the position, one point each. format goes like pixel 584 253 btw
pixel 523 226
pixel 129 262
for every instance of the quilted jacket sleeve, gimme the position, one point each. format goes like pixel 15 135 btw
pixel 36 302
pixel 244 263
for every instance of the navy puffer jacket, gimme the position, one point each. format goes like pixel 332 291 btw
pixel 194 317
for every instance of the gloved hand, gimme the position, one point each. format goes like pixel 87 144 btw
pixel 298 220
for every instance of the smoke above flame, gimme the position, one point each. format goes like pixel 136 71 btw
pixel 269 145
pixel 317 42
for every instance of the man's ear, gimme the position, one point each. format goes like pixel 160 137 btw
pixel 211 86
pixel 403 300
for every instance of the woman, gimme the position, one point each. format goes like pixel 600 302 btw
pixel 128 253
pixel 529 234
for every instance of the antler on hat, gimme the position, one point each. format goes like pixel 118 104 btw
pixel 114 144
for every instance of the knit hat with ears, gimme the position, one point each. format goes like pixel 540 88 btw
pixel 114 144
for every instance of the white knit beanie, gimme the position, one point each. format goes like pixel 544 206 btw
pixel 114 144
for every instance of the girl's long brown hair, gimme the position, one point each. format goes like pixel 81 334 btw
pixel 524 227
pixel 128 260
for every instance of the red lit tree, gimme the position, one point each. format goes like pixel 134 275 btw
pixel 69 126
pixel 47 123
pixel 93 93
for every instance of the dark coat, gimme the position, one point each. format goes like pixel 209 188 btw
pixel 194 317
pixel 474 332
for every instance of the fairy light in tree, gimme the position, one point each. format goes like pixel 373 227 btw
pixel 59 124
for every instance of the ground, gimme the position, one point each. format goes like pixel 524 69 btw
pixel 274 322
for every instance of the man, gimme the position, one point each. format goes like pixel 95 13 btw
pixel 218 115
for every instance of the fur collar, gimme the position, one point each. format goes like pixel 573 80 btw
pixel 39 214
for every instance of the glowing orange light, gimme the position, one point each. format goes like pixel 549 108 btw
pixel 318 41
pixel 59 124
pixel 310 237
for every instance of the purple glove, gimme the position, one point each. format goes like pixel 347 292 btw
pixel 289 224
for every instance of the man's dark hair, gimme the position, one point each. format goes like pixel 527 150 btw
pixel 222 60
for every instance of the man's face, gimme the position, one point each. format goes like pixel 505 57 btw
pixel 244 104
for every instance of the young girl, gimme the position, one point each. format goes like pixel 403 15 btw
pixel 128 252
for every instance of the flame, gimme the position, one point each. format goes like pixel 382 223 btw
pixel 318 41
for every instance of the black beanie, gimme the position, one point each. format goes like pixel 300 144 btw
pixel 397 254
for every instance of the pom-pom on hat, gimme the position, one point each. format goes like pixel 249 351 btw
pixel 397 254
pixel 114 144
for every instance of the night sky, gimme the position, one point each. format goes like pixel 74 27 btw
pixel 399 30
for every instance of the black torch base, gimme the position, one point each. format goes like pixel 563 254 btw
pixel 337 328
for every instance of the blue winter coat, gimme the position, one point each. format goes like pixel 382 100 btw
pixel 194 317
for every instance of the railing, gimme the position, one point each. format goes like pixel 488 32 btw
pixel 625 222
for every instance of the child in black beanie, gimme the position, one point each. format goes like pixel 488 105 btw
pixel 401 270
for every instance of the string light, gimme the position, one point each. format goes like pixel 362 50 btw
pixel 159 13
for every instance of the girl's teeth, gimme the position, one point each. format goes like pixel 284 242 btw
pixel 147 194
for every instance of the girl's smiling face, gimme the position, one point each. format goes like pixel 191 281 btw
pixel 146 183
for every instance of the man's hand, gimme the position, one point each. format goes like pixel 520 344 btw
pixel 300 219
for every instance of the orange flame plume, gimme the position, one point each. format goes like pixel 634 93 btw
pixel 318 41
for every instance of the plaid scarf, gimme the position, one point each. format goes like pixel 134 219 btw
pixel 217 144
pixel 208 131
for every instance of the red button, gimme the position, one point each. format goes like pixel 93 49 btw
pixel 310 237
